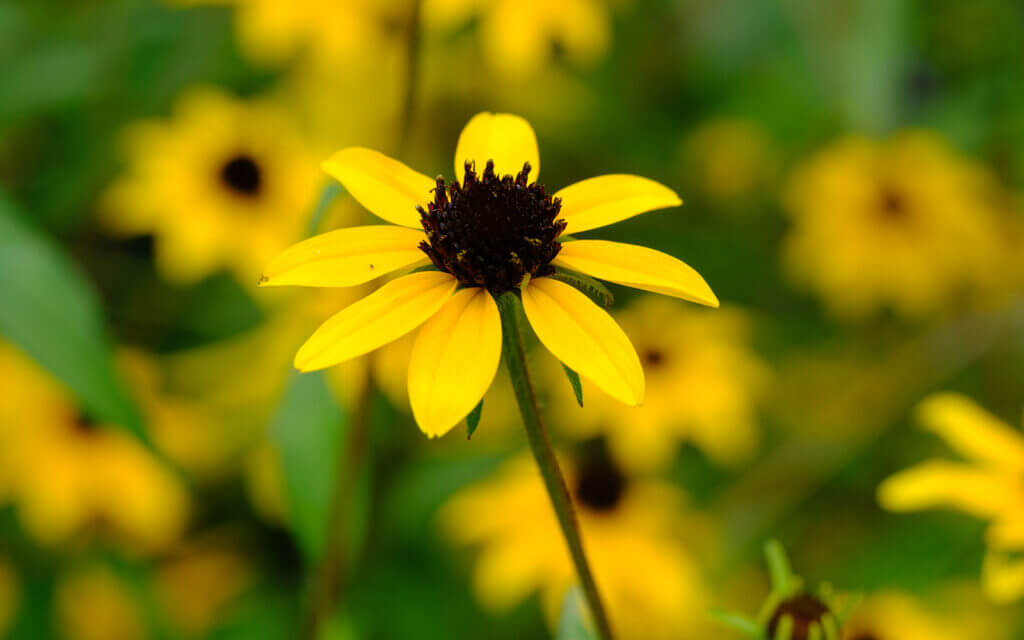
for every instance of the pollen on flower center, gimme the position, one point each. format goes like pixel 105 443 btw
pixel 492 231
pixel 804 609
pixel 600 484
pixel 242 175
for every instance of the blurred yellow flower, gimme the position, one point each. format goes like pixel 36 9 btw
pixel 489 233
pixel 729 157
pixel 519 36
pixel 651 581
pixel 198 581
pixel 990 486
pixel 224 183
pixel 703 382
pixel 896 615
pixel 10 596
pixel 92 603
pixel 67 475
pixel 272 31
pixel 905 224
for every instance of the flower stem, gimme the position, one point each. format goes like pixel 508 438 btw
pixel 515 358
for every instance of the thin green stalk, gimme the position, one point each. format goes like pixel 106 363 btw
pixel 540 444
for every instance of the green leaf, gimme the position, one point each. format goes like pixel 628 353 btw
pixel 574 621
pixel 51 312
pixel 738 622
pixel 778 568
pixel 473 419
pixel 307 432
pixel 577 386
pixel 592 288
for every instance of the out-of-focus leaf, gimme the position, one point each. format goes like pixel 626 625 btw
pixel 577 386
pixel 738 622
pixel 307 432
pixel 574 620
pixel 50 311
pixel 473 419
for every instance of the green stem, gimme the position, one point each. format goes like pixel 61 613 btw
pixel 540 444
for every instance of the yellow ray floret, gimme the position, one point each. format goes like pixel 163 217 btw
pixel 385 186
pixel 454 360
pixel 584 337
pixel 381 317
pixel 601 201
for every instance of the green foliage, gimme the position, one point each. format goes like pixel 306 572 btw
pixel 51 312
pixel 473 419
pixel 574 621
pixel 307 433
pixel 577 386
pixel 587 285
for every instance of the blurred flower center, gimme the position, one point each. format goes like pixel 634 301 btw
pixel 492 231
pixel 242 175
pixel 804 610
pixel 83 424
pixel 892 204
pixel 652 358
pixel 600 484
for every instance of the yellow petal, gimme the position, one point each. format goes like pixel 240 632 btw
pixel 939 483
pixel 584 337
pixel 385 186
pixel 385 315
pixel 454 360
pixel 638 267
pixel 600 201
pixel 507 139
pixel 1002 577
pixel 345 257
pixel 973 432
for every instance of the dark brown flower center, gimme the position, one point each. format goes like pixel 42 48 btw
pixel 84 425
pixel 653 358
pixel 892 204
pixel 242 175
pixel 492 231
pixel 804 609
pixel 600 484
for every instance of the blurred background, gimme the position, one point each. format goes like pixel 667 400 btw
pixel 853 178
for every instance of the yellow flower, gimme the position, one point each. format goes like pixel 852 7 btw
pixel 702 386
pixel 651 581
pixel 67 475
pixel 990 486
pixel 223 184
pixel 488 233
pixel 272 31
pixel 519 36
pixel 92 603
pixel 897 616
pixel 199 580
pixel 904 224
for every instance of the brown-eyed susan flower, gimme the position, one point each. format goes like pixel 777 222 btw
pixel 703 383
pixel 904 224
pixel 223 184
pixel 649 576
pixel 989 486
pixel 518 36
pixel 488 232
pixel 68 475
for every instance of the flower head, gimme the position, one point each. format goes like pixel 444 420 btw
pixel 222 184
pixel 485 234
pixel 990 486
pixel 905 224
pixel 654 591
